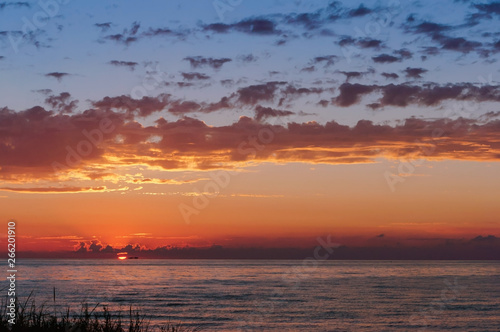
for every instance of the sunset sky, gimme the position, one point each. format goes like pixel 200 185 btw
pixel 248 123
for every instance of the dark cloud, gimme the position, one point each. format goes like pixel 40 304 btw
pixel 360 11
pixel 103 26
pixel 66 189
pixel 390 75
pixel 458 44
pixel 369 43
pixel 26 135
pixel 183 107
pixel 253 26
pixel 489 8
pixel 57 75
pixel 327 60
pixel 129 64
pixel 291 90
pixel 267 112
pixel 62 102
pixel 128 36
pixel 195 76
pixel 223 103
pixel 309 21
pixel 380 247
pixel 166 32
pixel 309 69
pixel 140 107
pixel 400 95
pixel 361 42
pixel 385 58
pixel 400 55
pixel 437 33
pixel 227 82
pixel 199 61
pixel 254 94
pixel 189 142
pixel 247 58
pixel 428 28
pixel 415 72
pixel 18 4
pixel 351 93
pixel 184 84
pixel 352 74
pixel 374 106
pixel 404 53
pixel 323 103
pixel 430 94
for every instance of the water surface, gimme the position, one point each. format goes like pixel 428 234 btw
pixel 261 295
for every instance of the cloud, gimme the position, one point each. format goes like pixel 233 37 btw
pixel 62 102
pixel 400 55
pixel 199 61
pixel 195 76
pixel 437 31
pixel 52 190
pixel 253 94
pixel 414 72
pixel 183 107
pixel 327 60
pixel 141 107
pixel 385 58
pixel 248 58
pixel 390 75
pixel 192 144
pixel 266 112
pixel 128 36
pixel 166 181
pixel 458 44
pixel 360 11
pixel 17 4
pixel 429 28
pixel 103 26
pixel 489 8
pixel 351 93
pixel 428 95
pixel 355 74
pixel 309 21
pixel 129 64
pixel 380 247
pixel 57 75
pixel 252 26
pixel 160 32
pixel 361 42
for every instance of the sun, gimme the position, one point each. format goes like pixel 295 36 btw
pixel 122 257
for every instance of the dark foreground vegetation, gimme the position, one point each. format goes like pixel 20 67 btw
pixel 98 318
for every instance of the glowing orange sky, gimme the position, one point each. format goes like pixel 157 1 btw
pixel 273 202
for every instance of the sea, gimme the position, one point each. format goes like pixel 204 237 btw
pixel 275 295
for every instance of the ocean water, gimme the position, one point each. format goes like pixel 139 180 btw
pixel 228 295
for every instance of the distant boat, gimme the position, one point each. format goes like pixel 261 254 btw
pixel 133 258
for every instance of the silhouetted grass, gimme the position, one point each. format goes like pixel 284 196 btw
pixel 30 317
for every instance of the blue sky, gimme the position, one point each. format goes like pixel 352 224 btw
pixel 69 41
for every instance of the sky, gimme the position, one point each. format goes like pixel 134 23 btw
pixel 249 123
